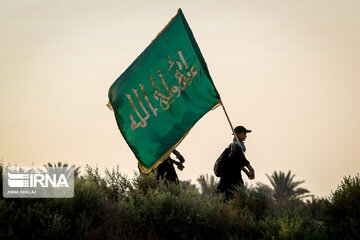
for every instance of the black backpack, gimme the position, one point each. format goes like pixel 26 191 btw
pixel 221 161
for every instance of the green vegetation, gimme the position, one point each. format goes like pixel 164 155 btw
pixel 115 207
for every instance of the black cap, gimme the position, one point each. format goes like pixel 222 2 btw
pixel 240 129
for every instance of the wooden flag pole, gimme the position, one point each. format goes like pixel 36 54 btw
pixel 231 126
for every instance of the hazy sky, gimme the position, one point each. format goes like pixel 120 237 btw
pixel 288 70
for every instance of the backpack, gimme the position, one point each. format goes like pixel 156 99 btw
pixel 221 161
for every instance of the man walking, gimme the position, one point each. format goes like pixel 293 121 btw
pixel 236 163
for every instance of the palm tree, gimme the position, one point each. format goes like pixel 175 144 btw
pixel 208 186
pixel 285 188
pixel 188 186
pixel 61 165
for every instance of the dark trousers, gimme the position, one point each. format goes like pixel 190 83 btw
pixel 227 185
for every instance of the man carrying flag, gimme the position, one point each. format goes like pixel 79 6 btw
pixel 162 94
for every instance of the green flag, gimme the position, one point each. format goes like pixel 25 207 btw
pixel 162 94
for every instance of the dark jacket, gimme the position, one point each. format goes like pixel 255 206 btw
pixel 232 170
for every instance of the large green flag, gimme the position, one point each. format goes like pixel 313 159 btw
pixel 162 94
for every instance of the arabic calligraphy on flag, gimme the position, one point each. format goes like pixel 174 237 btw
pixel 162 94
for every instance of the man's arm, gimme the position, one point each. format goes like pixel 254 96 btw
pixel 180 165
pixel 249 171
pixel 179 156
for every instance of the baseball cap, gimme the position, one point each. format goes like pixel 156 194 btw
pixel 240 129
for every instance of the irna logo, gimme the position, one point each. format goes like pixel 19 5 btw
pixel 37 179
pixel 38 182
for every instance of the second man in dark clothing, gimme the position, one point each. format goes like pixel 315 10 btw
pixel 166 169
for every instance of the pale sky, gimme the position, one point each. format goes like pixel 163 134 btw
pixel 288 70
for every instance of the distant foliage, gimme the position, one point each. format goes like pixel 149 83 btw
pixel 286 192
pixel 111 206
pixel 63 165
pixel 208 184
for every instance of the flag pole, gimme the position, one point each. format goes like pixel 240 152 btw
pixel 231 126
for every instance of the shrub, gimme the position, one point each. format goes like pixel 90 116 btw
pixel 113 207
pixel 256 200
pixel 289 227
pixel 342 210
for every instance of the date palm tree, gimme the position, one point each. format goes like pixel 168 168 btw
pixel 285 188
pixel 186 185
pixel 60 165
pixel 208 185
